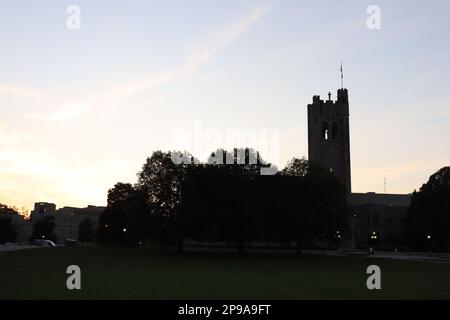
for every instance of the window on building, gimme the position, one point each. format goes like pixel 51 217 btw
pixel 325 131
pixel 388 220
pixel 334 131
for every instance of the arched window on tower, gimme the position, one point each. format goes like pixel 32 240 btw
pixel 325 132
pixel 334 131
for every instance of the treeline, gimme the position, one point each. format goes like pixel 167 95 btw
pixel 231 202
pixel 8 231
pixel 428 224
pixel 219 202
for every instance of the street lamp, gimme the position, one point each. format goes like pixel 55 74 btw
pixel 429 244
pixel 373 240
pixel 106 234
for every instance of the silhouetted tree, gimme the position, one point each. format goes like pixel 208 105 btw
pixel 234 203
pixel 160 180
pixel 215 205
pixel 429 213
pixel 226 199
pixel 4 209
pixel 112 223
pixel 296 168
pixel 86 231
pixel 43 229
pixel 120 193
pixel 8 231
pixel 126 217
pixel 137 216
pixel 324 206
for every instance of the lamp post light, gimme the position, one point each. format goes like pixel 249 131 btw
pixel 124 235
pixel 429 244
pixel 106 234
pixel 373 240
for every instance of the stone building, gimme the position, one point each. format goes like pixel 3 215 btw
pixel 42 209
pixel 379 219
pixel 67 219
pixel 329 137
pixel 375 218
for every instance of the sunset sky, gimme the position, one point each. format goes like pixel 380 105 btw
pixel 82 109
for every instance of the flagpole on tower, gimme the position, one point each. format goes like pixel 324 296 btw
pixel 342 78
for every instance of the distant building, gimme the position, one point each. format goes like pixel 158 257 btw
pixel 375 218
pixel 67 219
pixel 379 218
pixel 42 209
pixel 329 137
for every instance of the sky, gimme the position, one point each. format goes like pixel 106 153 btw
pixel 82 108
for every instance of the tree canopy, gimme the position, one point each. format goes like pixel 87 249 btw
pixel 226 199
pixel 43 229
pixel 429 213
pixel 8 231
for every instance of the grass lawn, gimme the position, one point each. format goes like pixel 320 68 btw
pixel 152 274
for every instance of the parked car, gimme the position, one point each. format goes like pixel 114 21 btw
pixel 43 243
pixel 70 243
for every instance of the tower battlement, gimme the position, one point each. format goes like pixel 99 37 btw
pixel 342 97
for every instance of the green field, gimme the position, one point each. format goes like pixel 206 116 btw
pixel 156 274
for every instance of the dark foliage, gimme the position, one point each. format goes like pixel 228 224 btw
pixel 223 201
pixel 429 213
pixel 86 231
pixel 43 229
pixel 8 231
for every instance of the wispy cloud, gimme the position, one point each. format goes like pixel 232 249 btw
pixel 10 137
pixel 67 112
pixel 197 58
pixel 30 165
pixel 23 92
pixel 58 109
